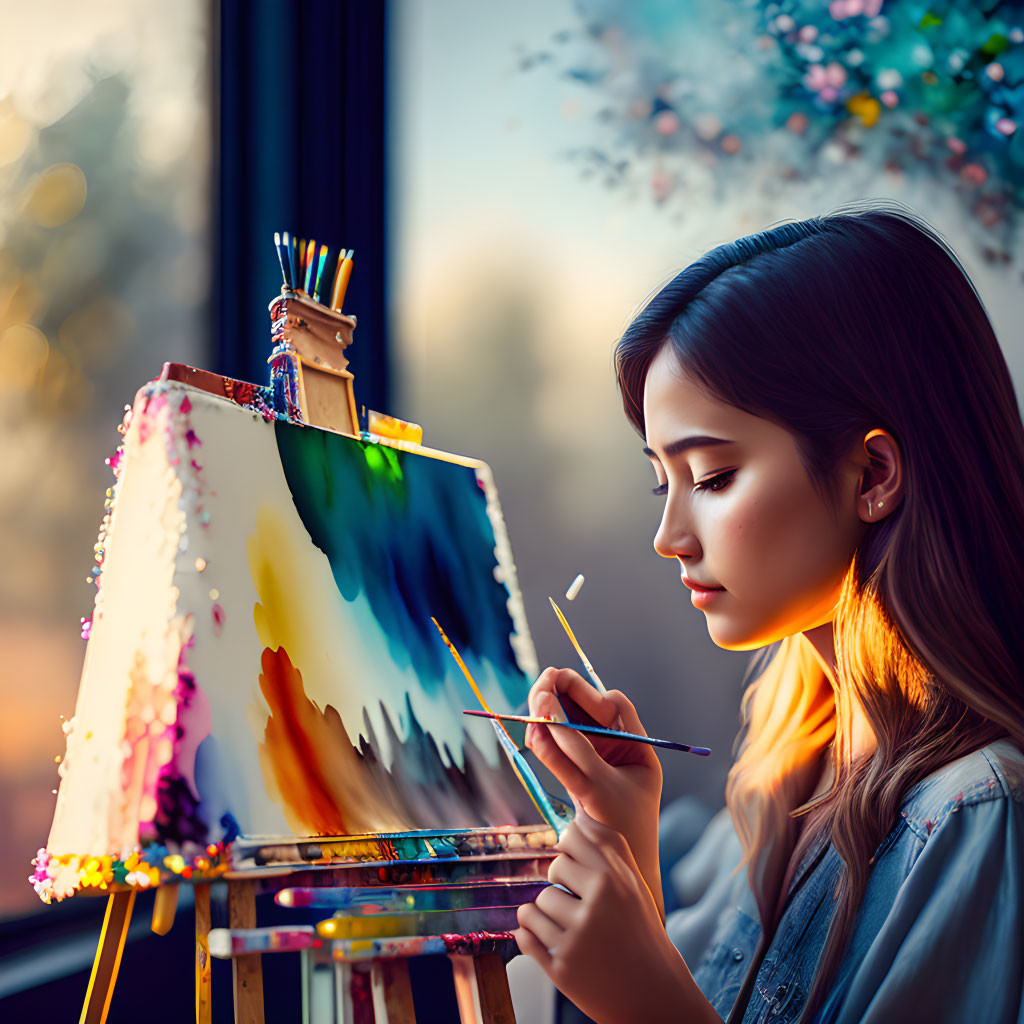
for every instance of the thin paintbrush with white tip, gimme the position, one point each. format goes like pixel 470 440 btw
pixel 594 677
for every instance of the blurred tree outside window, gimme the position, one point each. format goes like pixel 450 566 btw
pixel 104 256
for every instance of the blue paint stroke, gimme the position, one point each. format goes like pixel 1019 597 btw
pixel 412 534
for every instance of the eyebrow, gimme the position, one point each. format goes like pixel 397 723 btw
pixel 686 443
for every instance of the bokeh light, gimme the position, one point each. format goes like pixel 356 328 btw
pixel 57 195
pixel 104 200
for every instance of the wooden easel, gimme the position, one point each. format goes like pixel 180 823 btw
pixel 481 988
pixel 379 991
pixel 108 957
pixel 311 371
pixel 114 933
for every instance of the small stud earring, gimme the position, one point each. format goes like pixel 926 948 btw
pixel 881 503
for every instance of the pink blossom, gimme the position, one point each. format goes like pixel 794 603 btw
pixel 840 9
pixel 662 184
pixel 974 174
pixel 667 122
pixel 797 123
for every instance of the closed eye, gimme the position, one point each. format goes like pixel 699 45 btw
pixel 715 483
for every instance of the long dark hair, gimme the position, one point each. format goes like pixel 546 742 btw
pixel 832 327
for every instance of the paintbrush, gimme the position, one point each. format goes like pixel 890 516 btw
pixel 594 677
pixel 597 730
pixel 520 766
pixel 469 677
pixel 593 726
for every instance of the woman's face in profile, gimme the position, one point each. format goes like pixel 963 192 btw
pixel 741 514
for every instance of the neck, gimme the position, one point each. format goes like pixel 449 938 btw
pixel 822 639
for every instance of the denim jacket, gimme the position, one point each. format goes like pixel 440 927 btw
pixel 939 936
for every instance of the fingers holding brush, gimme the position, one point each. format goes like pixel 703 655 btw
pixel 617 782
pixel 576 696
pixel 582 704
pixel 626 712
pixel 569 755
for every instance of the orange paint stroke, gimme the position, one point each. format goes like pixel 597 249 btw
pixel 304 750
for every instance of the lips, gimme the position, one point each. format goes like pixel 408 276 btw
pixel 699 587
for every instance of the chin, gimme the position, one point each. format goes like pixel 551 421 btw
pixel 739 639
pixel 739 645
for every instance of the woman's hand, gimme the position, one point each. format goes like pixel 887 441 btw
pixel 616 782
pixel 606 947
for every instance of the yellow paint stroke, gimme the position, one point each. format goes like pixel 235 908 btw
pixel 594 677
pixel 311 766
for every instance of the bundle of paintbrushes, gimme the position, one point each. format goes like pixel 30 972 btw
pixel 321 272
pixel 309 333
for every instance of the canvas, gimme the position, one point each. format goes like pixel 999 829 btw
pixel 262 673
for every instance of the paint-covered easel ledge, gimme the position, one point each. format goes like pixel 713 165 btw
pixel 421 846
pixel 57 877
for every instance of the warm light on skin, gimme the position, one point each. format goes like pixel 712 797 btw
pixel 766 535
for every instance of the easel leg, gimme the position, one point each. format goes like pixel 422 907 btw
pixel 204 1003
pixel 323 1004
pixel 352 989
pixel 108 957
pixel 343 992
pixel 392 992
pixel 362 998
pixel 306 981
pixel 481 989
pixel 247 971
pixel 492 984
pixel 466 994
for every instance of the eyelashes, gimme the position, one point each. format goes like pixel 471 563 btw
pixel 716 483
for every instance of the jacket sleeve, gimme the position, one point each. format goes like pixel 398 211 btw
pixel 950 947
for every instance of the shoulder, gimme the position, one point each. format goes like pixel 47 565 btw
pixel 993 773
pixel 948 883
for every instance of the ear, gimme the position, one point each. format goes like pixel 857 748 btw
pixel 881 484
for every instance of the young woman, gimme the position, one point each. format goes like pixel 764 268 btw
pixel 837 440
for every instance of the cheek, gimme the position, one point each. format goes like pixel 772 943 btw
pixel 755 535
pixel 771 543
pixel 786 558
pixel 773 570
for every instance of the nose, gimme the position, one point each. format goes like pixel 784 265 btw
pixel 676 537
